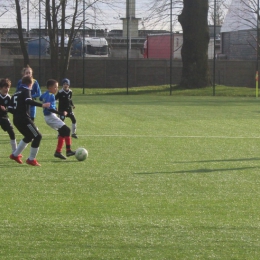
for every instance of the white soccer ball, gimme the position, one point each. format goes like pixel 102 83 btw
pixel 81 154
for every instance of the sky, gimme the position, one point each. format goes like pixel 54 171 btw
pixel 104 17
pixel 101 16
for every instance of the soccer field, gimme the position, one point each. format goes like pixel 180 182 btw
pixel 166 178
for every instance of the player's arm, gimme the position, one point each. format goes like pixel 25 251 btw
pixel 11 106
pixel 37 89
pixel 3 108
pixel 10 109
pixel 36 104
pixel 60 113
pixel 71 102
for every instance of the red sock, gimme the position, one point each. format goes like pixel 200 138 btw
pixel 60 144
pixel 68 142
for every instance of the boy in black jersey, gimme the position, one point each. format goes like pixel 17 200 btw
pixel 5 100
pixel 64 96
pixel 20 107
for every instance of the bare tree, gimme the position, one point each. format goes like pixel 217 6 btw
pixel 20 33
pixel 217 11
pixel 61 16
pixel 242 14
pixel 158 14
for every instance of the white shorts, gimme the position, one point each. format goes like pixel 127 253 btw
pixel 54 121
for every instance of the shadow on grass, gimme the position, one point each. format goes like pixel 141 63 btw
pixel 222 160
pixel 61 161
pixel 204 170
pixel 216 170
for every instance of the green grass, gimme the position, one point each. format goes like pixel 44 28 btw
pixel 168 177
pixel 164 90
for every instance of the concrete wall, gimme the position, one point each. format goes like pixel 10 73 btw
pixel 112 73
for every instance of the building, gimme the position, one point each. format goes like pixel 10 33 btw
pixel 238 32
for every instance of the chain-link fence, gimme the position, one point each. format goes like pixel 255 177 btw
pixel 112 43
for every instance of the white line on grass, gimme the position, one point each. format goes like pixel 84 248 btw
pixel 163 136
pixel 175 136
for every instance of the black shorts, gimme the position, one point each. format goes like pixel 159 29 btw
pixel 26 127
pixel 6 124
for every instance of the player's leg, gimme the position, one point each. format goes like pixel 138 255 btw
pixel 34 150
pixel 73 125
pixel 56 123
pixel 59 146
pixel 62 117
pixel 7 127
pixel 64 132
pixel 30 132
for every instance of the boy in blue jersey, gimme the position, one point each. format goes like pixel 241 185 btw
pixel 51 118
pixel 35 92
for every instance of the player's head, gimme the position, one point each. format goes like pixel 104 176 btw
pixel 27 71
pixel 5 85
pixel 52 85
pixel 65 83
pixel 28 81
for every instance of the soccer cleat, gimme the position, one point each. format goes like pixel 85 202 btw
pixel 74 136
pixel 20 155
pixel 70 153
pixel 16 158
pixel 59 155
pixel 32 162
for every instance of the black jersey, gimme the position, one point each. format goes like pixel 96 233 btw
pixel 4 101
pixel 65 100
pixel 19 103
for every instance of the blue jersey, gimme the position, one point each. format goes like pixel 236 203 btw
pixel 48 97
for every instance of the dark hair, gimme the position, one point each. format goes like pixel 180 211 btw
pixel 5 83
pixel 26 68
pixel 51 82
pixel 27 80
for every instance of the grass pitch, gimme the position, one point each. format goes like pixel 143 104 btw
pixel 167 177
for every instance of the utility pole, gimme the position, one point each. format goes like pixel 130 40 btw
pixel 171 49
pixel 214 52
pixel 83 46
pixel 257 49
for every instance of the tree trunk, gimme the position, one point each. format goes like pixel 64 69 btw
pixel 62 38
pixel 20 34
pixel 194 22
pixel 53 38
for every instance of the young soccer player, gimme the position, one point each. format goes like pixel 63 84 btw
pixel 5 100
pixel 51 118
pixel 36 90
pixel 20 105
pixel 64 96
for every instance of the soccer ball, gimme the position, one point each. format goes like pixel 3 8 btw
pixel 81 154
